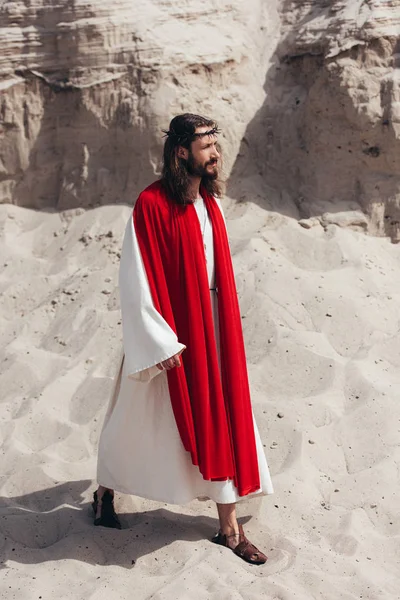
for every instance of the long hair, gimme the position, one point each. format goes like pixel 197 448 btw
pixel 175 175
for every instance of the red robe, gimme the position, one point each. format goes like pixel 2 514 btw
pixel 212 409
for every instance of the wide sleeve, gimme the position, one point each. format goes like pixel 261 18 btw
pixel 147 337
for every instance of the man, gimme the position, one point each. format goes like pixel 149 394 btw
pixel 180 424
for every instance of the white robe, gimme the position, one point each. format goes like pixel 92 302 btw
pixel 140 449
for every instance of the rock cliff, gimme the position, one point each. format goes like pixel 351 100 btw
pixel 328 135
pixel 87 88
pixel 307 95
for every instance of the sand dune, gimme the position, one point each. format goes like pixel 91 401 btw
pixel 320 316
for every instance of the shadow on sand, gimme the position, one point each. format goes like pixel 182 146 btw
pixel 57 523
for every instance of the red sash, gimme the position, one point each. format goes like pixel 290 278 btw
pixel 212 410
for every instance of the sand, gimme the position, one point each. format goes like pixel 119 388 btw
pixel 320 316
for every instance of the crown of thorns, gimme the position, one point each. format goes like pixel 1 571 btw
pixel 180 138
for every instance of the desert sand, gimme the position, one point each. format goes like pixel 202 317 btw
pixel 320 316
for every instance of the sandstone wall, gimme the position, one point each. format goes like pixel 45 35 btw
pixel 328 135
pixel 307 95
pixel 87 88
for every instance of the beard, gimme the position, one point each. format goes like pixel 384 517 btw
pixel 208 170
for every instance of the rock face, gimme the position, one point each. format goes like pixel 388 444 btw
pixel 87 88
pixel 328 135
pixel 308 100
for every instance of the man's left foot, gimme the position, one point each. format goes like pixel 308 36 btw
pixel 108 517
pixel 244 548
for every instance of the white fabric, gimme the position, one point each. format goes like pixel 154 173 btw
pixel 140 450
pixel 206 230
pixel 148 339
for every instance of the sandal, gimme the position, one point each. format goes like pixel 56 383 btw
pixel 245 549
pixel 108 517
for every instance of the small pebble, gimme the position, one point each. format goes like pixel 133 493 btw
pixel 85 238
pixel 311 442
pixel 280 415
pixel 308 223
pixel 105 292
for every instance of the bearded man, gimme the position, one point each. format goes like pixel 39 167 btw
pixel 180 424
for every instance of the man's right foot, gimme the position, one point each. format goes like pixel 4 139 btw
pixel 104 512
pixel 241 546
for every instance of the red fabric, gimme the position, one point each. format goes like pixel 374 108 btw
pixel 212 410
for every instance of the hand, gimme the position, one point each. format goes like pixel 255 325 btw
pixel 170 363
